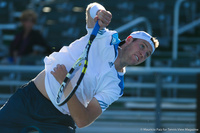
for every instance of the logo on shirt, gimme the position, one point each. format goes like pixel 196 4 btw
pixel 110 64
pixel 115 40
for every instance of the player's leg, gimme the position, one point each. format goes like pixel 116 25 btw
pixel 47 117
pixel 13 115
pixel 31 129
pixel 28 107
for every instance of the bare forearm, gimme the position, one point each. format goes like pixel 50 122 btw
pixel 90 21
pixel 83 116
pixel 79 113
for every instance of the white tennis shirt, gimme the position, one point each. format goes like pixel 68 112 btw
pixel 101 80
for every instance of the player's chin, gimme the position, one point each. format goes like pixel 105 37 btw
pixel 138 62
pixel 133 63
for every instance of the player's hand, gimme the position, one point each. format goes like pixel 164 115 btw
pixel 104 18
pixel 59 73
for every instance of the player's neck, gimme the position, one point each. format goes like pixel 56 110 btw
pixel 118 66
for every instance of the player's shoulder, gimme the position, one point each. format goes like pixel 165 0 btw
pixel 115 39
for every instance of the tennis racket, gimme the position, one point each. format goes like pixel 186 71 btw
pixel 75 75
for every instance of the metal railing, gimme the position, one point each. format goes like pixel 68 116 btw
pixel 130 71
pixel 159 72
pixel 177 31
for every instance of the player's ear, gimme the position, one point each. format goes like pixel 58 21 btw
pixel 129 39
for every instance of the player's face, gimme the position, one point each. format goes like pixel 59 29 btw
pixel 137 51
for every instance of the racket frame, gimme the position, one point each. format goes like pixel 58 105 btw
pixel 83 56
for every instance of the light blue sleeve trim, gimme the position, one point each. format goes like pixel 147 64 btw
pixel 103 105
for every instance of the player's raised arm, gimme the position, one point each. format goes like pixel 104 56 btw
pixel 96 11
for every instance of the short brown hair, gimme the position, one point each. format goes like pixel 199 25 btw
pixel 28 15
pixel 155 41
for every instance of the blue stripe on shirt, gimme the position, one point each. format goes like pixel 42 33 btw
pixel 103 104
pixel 115 42
pixel 121 84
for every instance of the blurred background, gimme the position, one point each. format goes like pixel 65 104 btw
pixel 161 95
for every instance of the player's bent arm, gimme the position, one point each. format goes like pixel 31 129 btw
pixel 100 13
pixel 81 115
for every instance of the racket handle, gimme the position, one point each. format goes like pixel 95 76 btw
pixel 96 29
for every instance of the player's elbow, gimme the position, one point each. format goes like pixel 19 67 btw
pixel 82 124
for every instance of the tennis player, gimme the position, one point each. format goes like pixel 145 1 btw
pixel 33 105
